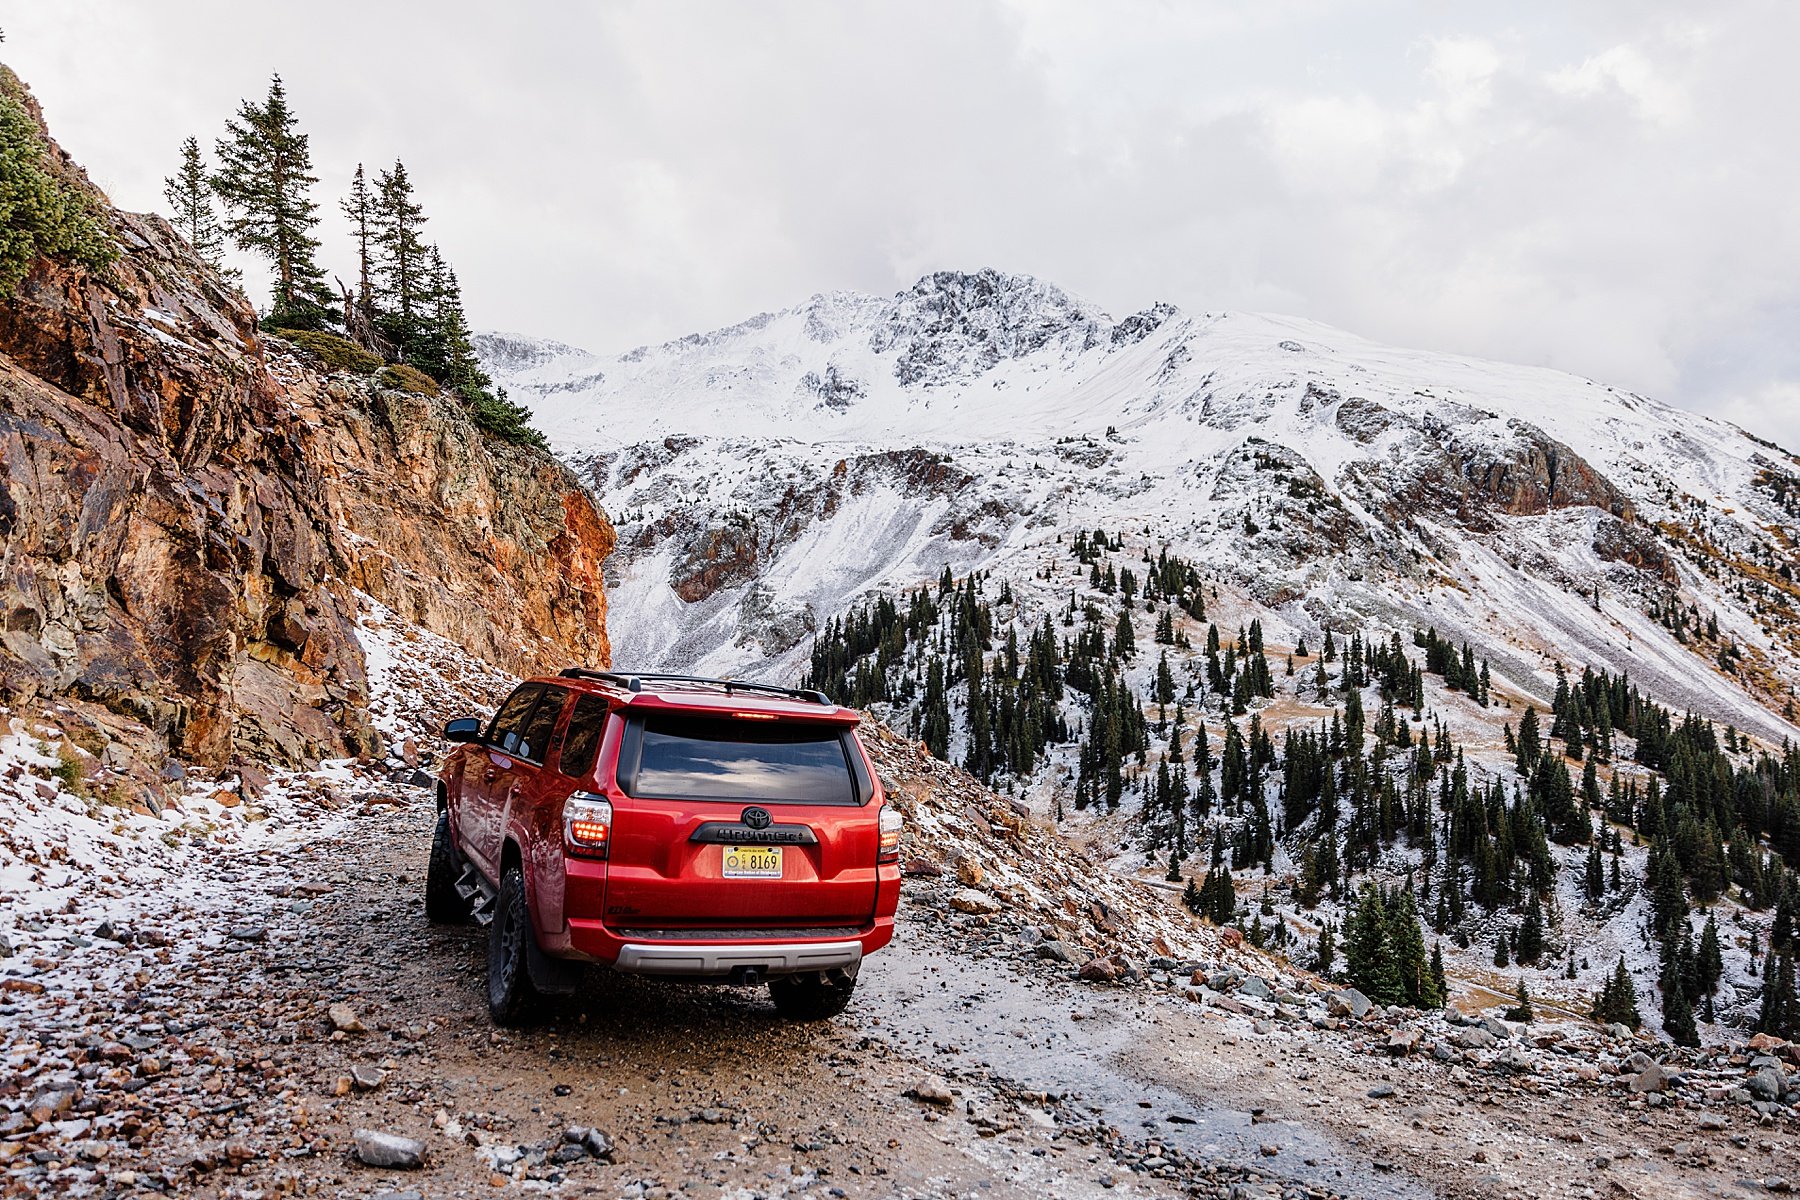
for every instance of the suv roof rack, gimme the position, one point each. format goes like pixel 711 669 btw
pixel 634 681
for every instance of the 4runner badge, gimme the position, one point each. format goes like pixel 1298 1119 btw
pixel 756 818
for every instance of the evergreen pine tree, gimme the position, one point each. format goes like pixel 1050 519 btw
pixel 1530 945
pixel 1709 965
pixel 1618 1000
pixel 402 262
pixel 1521 1009
pixel 190 196
pixel 1779 1014
pixel 359 209
pixel 265 181
pixel 1678 1012
pixel 1369 954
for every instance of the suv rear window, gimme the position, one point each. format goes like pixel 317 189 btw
pixel 689 758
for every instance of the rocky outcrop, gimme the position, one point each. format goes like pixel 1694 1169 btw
pixel 188 513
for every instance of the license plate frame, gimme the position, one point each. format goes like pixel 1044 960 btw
pixel 751 862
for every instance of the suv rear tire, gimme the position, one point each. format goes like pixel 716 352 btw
pixel 511 997
pixel 814 996
pixel 444 905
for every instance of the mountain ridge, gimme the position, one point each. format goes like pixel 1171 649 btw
pixel 1448 482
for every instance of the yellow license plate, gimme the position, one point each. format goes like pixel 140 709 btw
pixel 753 862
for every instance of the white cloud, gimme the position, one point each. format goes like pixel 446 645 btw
pixel 1601 187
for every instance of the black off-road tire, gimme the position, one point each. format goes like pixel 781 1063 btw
pixel 511 996
pixel 814 996
pixel 443 904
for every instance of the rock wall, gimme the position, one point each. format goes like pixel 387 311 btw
pixel 187 512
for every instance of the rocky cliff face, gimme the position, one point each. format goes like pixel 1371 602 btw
pixel 189 512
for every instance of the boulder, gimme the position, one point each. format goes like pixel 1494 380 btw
pixel 979 903
pixel 1108 968
pixel 1256 988
pixel 1348 1003
pixel 389 1151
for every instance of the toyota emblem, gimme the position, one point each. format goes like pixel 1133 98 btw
pixel 757 818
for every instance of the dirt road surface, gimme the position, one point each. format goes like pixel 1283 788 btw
pixel 320 1003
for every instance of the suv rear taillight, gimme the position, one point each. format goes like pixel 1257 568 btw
pixel 891 825
pixel 587 824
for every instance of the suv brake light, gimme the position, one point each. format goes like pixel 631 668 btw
pixel 891 825
pixel 587 824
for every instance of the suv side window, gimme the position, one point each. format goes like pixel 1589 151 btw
pixel 504 731
pixel 534 739
pixel 582 742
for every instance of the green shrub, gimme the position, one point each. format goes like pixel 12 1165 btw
pixel 70 771
pixel 499 416
pixel 337 353
pixel 403 378
pixel 40 215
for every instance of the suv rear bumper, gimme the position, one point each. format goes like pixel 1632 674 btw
pixel 722 959
pixel 719 954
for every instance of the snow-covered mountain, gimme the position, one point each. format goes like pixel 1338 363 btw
pixel 765 474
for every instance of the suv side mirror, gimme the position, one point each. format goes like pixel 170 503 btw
pixel 463 729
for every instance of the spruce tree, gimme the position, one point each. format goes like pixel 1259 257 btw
pixel 1710 961
pixel 1370 959
pixel 1779 1014
pixel 1678 1012
pixel 1530 945
pixel 1521 1009
pixel 264 180
pixel 402 263
pixel 1618 1000
pixel 190 196
pixel 359 209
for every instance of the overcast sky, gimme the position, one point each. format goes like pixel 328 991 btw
pixel 1606 186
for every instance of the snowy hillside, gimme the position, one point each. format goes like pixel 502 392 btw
pixel 765 474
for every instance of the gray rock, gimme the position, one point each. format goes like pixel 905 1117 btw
pixel 6 946
pixel 365 1077
pixel 1403 1041
pixel 1257 988
pixel 1056 951
pixel 389 1151
pixel 1638 1061
pixel 1766 1084
pixel 250 933
pixel 1382 1091
pixel 1348 1003
pixel 1713 1120
pixel 1474 1037
pixel 1500 1032
pixel 1516 1059
pixel 590 1142
pixel 931 1090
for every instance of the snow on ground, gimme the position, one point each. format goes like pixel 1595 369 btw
pixel 89 869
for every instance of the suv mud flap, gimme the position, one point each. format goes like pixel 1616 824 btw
pixel 551 976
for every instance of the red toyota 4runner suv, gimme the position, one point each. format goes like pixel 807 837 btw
pixel 666 825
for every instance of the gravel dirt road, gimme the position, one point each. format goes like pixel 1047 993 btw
pixel 323 1004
